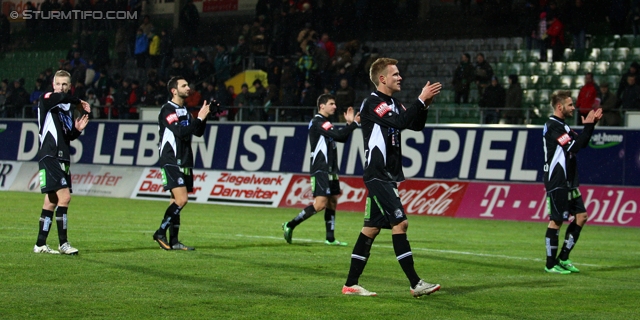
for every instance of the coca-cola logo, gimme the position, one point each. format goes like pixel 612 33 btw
pixel 435 199
pixel 300 193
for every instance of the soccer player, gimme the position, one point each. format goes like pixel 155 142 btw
pixel 561 145
pixel 383 117
pixel 57 127
pixel 177 126
pixel 324 167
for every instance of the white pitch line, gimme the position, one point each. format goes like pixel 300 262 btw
pixel 428 250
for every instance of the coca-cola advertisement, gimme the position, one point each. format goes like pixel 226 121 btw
pixel 424 197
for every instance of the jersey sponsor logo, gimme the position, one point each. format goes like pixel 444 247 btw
pixel 327 125
pixel 382 109
pixel 47 95
pixel 564 139
pixel 172 118
pixel 181 112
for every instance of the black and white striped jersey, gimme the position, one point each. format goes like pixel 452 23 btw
pixel 383 117
pixel 322 138
pixel 176 126
pixel 561 144
pixel 56 127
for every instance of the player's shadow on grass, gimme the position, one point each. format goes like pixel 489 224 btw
pixel 123 250
pixel 231 246
pixel 497 262
pixel 461 290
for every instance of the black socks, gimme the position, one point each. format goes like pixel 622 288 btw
pixel 359 257
pixel 46 218
pixel 405 257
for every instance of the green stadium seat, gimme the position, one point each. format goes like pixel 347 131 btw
pixel 617 68
pixel 524 81
pixel 565 82
pixel 557 68
pixel 446 96
pixel 514 68
pixel 569 54
pixel 571 67
pixel 521 56
pixel 613 81
pixel 544 68
pixel 635 54
pixel 593 54
pixel 544 96
pixel 529 96
pixel 533 55
pixel 603 41
pixel 586 66
pixel 578 82
pixel 507 56
pixel 501 68
pixel 621 54
pixel 606 54
pixel 530 68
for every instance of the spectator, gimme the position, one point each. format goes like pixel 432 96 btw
pixel 484 73
pixel 166 52
pixel 17 98
pixel 120 46
pixel 556 36
pixel 149 96
pixel 618 12
pixel 204 69
pixel 257 99
pixel 610 110
pixel 190 19
pixel 239 52
pixel 633 70
pixel 345 98
pixel 242 102
pixel 4 84
pixel 38 90
pixel 271 100
pixel 634 15
pixel 101 86
pixel 141 50
pixel 578 19
pixel 463 76
pixel 121 98
pixel 134 99
pixel 146 26
pixel 101 51
pixel 154 48
pixel 588 97
pixel 273 70
pixel 222 66
pixel 308 97
pixel 307 67
pixel 110 110
pixel 194 100
pixel 328 45
pixel 80 91
pixel 513 112
pixel 94 103
pixel 231 97
pixel 492 101
pixel 631 95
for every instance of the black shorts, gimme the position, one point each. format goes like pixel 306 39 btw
pixel 54 175
pixel 176 177
pixel 324 184
pixel 383 209
pixel 561 203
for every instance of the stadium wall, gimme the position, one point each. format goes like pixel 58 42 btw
pixel 486 172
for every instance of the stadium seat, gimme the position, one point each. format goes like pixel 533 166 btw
pixel 474 96
pixel 621 54
pixel 606 54
pixel 530 68
pixel 446 96
pixel 524 81
pixel 529 96
pixel 635 54
pixel 603 41
pixel 501 68
pixel 613 81
pixel 533 55
pixel 544 68
pixel 507 56
pixel 514 68
pixel 544 96
pixel 578 82
pixel 617 68
pixel 568 54
pixel 520 56
pixel 557 68
pixel 571 67
pixel 586 66
pixel 566 82
pixel 593 54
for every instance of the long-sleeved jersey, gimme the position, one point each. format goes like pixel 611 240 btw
pixel 56 127
pixel 176 126
pixel 322 138
pixel 561 144
pixel 383 117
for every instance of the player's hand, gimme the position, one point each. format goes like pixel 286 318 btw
pixel 429 91
pixel 82 122
pixel 85 106
pixel 204 111
pixel 348 115
pixel 593 116
pixel 357 118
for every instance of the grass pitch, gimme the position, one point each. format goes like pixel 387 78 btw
pixel 243 269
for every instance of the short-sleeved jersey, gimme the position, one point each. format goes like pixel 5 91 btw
pixel 322 138
pixel 56 127
pixel 561 145
pixel 383 117
pixel 176 126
